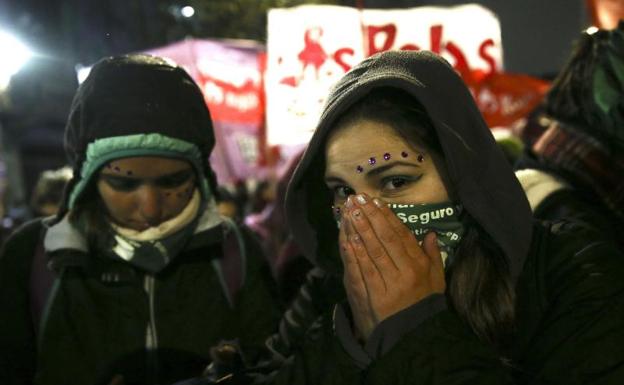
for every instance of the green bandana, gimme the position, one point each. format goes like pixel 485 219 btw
pixel 443 218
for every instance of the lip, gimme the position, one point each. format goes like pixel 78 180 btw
pixel 138 226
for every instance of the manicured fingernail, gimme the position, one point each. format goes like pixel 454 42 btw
pixel 361 199
pixel 349 203
pixel 378 203
pixel 356 214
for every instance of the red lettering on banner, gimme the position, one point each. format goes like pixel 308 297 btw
pixel 313 53
pixel 435 33
pixel 410 47
pixel 486 56
pixel 461 64
pixel 382 38
pixel 233 104
pixel 340 61
pixel 389 30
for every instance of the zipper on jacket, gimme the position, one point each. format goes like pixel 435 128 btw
pixel 151 334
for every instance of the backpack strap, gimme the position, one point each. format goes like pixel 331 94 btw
pixel 40 283
pixel 232 267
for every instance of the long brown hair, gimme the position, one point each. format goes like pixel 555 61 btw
pixel 479 283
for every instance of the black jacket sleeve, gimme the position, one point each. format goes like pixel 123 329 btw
pixel 569 330
pixel 571 313
pixel 17 334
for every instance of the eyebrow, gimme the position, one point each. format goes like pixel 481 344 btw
pixel 375 171
pixel 385 167
pixel 160 177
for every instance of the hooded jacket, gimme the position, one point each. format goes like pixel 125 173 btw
pixel 567 280
pixel 104 316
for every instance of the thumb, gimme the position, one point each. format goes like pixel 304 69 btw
pixel 430 246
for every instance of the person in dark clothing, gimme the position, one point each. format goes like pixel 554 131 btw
pixel 48 192
pixel 137 276
pixel 574 168
pixel 429 266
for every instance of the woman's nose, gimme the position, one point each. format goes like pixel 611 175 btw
pixel 150 204
pixel 368 191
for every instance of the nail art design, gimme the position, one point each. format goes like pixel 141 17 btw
pixel 117 169
pixel 359 169
pixel 387 156
pixel 129 173
pixel 372 161
pixel 404 154
pixel 420 158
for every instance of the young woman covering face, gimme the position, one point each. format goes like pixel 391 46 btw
pixel 430 268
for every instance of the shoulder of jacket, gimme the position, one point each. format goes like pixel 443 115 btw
pixel 575 249
pixel 27 231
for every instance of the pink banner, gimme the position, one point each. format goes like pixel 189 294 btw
pixel 229 72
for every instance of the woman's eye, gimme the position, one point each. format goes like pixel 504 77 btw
pixel 173 181
pixel 343 192
pixel 122 184
pixel 396 182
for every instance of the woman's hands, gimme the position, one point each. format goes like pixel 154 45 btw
pixel 386 270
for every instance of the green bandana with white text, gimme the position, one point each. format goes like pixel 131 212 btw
pixel 443 218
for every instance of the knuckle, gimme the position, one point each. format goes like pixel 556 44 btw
pixel 371 211
pixel 388 237
pixel 377 255
pixel 369 272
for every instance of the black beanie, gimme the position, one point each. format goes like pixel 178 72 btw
pixel 137 94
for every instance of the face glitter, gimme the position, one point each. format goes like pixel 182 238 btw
pixel 404 154
pixel 372 161
pixel 359 169
pixel 387 156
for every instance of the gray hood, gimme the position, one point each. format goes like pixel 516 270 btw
pixel 481 176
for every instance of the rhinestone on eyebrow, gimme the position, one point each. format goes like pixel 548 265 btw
pixel 387 156
pixel 372 160
pixel 359 169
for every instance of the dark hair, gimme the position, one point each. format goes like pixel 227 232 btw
pixel 479 283
pixel 90 210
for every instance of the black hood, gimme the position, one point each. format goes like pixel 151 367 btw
pixel 481 177
pixel 137 94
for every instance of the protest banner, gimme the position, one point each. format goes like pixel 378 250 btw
pixel 310 47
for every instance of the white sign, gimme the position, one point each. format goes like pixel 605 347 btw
pixel 310 47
